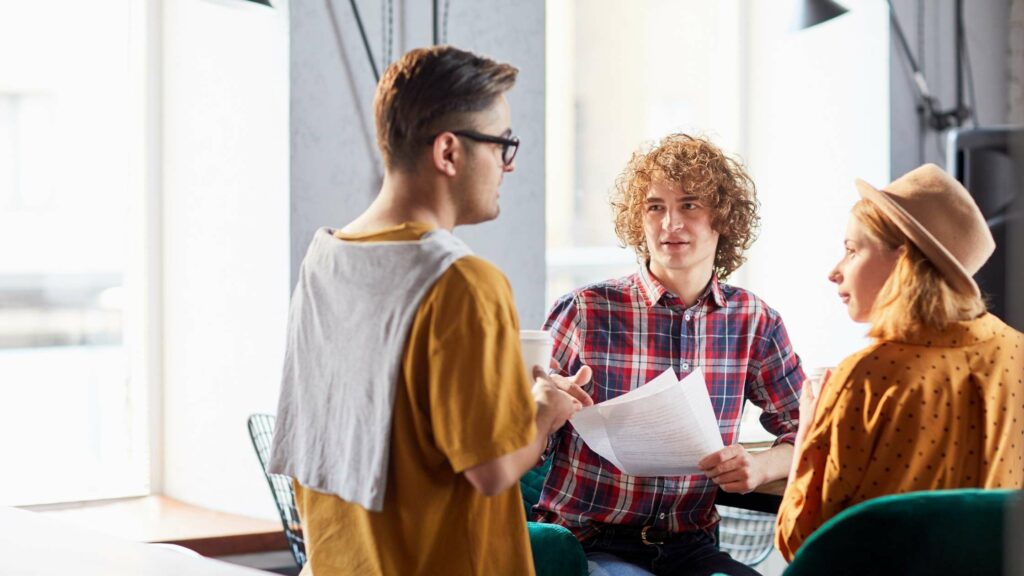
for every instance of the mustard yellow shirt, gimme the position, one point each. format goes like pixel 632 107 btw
pixel 463 398
pixel 943 410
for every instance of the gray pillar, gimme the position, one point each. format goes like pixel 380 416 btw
pixel 335 166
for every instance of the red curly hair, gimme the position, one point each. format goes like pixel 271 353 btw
pixel 703 170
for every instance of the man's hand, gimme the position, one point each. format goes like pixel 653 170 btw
pixel 572 386
pixel 554 407
pixel 558 398
pixel 733 469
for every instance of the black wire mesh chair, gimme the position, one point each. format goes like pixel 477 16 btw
pixel 747 536
pixel 261 431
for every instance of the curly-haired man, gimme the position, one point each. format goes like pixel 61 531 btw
pixel 689 211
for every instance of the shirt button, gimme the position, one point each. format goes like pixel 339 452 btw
pixel 686 365
pixel 661 516
pixel 687 316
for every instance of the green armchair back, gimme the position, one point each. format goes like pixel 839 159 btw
pixel 918 533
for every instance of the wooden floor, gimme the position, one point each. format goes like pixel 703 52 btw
pixel 162 519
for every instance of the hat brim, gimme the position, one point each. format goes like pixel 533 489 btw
pixel 950 267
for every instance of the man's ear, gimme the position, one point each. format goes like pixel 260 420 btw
pixel 447 153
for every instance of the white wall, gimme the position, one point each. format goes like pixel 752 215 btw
pixel 819 117
pixel 226 283
pixel 817 112
pixel 336 169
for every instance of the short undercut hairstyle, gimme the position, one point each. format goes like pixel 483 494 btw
pixel 430 90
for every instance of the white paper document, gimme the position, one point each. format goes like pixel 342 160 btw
pixel 662 428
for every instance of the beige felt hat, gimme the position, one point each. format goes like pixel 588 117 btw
pixel 940 218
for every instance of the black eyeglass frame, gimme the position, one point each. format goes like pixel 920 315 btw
pixel 511 143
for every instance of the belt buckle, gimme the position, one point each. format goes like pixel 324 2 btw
pixel 643 537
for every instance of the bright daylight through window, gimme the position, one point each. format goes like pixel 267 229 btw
pixel 72 397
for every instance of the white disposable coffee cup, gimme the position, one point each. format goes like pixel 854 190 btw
pixel 536 346
pixel 817 378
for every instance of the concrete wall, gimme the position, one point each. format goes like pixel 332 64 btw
pixel 336 169
pixel 1016 39
pixel 929 27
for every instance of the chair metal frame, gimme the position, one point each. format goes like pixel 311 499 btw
pixel 747 528
pixel 261 432
pixel 747 535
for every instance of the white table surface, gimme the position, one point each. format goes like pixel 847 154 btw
pixel 32 544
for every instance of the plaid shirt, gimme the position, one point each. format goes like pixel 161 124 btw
pixel 628 331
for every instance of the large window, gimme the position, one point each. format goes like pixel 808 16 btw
pixel 73 403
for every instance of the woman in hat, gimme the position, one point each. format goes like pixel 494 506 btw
pixel 937 401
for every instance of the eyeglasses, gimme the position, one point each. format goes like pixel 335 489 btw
pixel 509 145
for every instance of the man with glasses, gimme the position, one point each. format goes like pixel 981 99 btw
pixel 690 213
pixel 406 416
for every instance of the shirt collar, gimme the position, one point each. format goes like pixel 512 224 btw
pixel 956 334
pixel 652 290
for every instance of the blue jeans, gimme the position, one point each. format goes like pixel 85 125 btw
pixel 620 552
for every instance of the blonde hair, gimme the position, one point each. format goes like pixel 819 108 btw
pixel 916 294
pixel 702 169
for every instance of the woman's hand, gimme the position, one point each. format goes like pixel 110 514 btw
pixel 808 405
pixel 809 401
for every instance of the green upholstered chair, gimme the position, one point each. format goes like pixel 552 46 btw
pixel 918 533
pixel 531 484
pixel 556 552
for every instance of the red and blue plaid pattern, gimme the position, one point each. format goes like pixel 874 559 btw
pixel 628 331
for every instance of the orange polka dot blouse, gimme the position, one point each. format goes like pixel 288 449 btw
pixel 943 410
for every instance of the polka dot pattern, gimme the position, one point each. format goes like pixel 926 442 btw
pixel 943 410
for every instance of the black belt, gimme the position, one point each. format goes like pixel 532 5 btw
pixel 649 535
